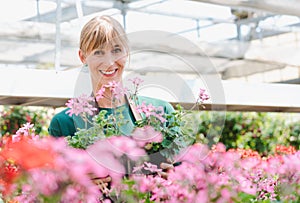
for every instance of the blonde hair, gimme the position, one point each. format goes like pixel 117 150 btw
pixel 102 31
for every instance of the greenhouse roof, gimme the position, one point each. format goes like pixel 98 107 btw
pixel 250 41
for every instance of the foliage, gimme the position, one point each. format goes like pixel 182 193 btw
pixel 174 133
pixel 249 130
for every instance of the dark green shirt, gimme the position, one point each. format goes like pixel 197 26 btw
pixel 63 125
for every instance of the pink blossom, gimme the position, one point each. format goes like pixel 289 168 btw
pixel 25 130
pixel 112 85
pixel 16 138
pixel 120 92
pixel 146 134
pixel 100 93
pixel 116 88
pixel 127 146
pixel 202 196
pixel 70 194
pixel 219 147
pixel 81 105
pixel 108 152
pixel 151 167
pixel 246 185
pixel 136 81
pixel 49 185
pixel 203 96
pixel 147 110
pixel 194 153
pixel 137 168
pixel 150 110
pixel 160 113
pixel 72 169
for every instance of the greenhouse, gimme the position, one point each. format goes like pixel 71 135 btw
pixel 149 101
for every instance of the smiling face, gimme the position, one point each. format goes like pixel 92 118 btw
pixel 104 48
pixel 106 64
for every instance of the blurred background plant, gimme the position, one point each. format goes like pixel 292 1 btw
pixel 250 130
pixel 13 117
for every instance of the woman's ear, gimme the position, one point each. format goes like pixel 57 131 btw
pixel 81 56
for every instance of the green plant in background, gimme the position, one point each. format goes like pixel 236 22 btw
pixel 13 117
pixel 294 134
pixel 249 130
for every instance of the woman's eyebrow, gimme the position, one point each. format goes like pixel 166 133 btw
pixel 99 49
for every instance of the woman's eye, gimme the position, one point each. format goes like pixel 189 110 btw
pixel 117 50
pixel 98 52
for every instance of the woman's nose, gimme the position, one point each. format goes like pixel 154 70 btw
pixel 109 60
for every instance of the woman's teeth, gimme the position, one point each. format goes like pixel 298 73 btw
pixel 108 72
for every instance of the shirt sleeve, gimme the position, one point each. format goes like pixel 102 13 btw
pixel 54 128
pixel 62 125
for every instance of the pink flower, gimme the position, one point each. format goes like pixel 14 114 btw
pixel 146 134
pixel 219 147
pixel 137 168
pixel 116 88
pixel 108 152
pixel 136 81
pixel 119 92
pixel 147 110
pixel 128 147
pixel 100 93
pixel 225 194
pixel 150 110
pixel 16 138
pixel 49 185
pixel 112 85
pixel 202 95
pixel 80 105
pixel 151 167
pixel 194 154
pixel 25 130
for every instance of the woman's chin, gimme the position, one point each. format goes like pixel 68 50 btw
pixel 105 80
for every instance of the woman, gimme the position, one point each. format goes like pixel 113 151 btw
pixel 104 50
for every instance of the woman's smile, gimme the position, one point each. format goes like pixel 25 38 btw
pixel 109 73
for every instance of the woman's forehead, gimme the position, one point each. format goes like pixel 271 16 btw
pixel 100 44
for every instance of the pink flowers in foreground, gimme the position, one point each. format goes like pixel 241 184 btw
pixel 109 152
pixel 205 175
pixel 48 169
pixel 224 176
pixel 146 134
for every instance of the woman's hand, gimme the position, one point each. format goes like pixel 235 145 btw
pixel 165 168
pixel 103 184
